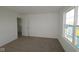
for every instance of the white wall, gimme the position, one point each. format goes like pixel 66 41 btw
pixel 68 47
pixel 8 26
pixel 41 25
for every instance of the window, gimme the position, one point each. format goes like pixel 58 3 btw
pixel 71 26
pixel 77 31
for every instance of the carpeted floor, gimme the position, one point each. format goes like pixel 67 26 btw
pixel 32 44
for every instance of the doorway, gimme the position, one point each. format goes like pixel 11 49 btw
pixel 19 26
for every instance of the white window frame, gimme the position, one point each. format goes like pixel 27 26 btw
pixel 75 22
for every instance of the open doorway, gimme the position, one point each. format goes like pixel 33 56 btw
pixel 19 27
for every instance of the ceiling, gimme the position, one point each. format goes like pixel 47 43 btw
pixel 35 9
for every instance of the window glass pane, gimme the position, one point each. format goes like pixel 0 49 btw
pixel 69 32
pixel 70 17
pixel 78 17
pixel 77 37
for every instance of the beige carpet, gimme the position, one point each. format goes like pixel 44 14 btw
pixel 32 44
